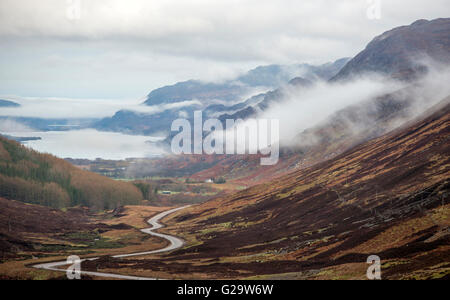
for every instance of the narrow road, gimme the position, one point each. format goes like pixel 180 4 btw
pixel 175 243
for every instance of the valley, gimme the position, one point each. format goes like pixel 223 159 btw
pixel 339 212
pixel 361 169
pixel 323 222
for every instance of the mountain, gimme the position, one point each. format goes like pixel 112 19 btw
pixel 277 75
pixel 261 102
pixel 7 103
pixel 332 137
pixel 271 76
pixel 232 94
pixel 32 177
pixel 339 132
pixel 228 91
pixel 385 197
pixel 399 52
pixel 132 122
pixel 195 90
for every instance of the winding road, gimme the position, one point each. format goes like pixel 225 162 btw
pixel 175 243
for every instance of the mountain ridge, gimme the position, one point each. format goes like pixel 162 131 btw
pixel 398 52
pixel 271 76
pixel 215 99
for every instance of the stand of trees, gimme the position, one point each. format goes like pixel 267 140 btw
pixel 148 190
pixel 219 180
pixel 32 177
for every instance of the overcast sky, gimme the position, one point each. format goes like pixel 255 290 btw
pixel 124 49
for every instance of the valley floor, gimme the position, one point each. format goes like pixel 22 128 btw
pixel 44 235
pixel 416 248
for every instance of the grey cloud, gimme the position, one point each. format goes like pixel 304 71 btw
pixel 125 48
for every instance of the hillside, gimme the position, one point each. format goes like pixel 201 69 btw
pixel 20 223
pixel 32 233
pixel 402 52
pixel 32 177
pixel 388 196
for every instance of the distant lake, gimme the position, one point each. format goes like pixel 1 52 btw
pixel 92 144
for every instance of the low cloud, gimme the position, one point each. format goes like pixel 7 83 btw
pixel 303 109
pixel 163 107
pixel 55 108
pixel 7 126
pixel 119 49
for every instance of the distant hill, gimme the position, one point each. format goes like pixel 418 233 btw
pixel 7 103
pixel 207 94
pixel 32 177
pixel 398 52
pixel 271 76
pixel 195 90
pixel 261 102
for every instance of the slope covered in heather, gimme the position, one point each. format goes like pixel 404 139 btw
pixel 388 196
